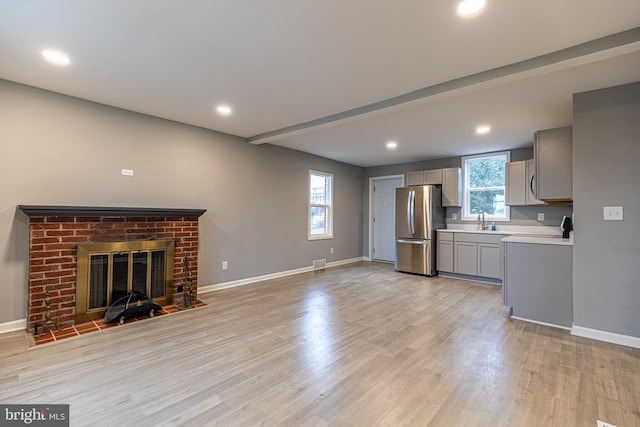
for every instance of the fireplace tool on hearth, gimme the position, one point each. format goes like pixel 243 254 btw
pixel 47 316
pixel 186 286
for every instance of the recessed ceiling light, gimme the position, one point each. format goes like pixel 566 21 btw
pixel 391 145
pixel 481 130
pixel 471 7
pixel 225 110
pixel 56 57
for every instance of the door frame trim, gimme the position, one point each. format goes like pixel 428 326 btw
pixel 372 181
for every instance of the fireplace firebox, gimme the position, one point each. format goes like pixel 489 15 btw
pixel 109 271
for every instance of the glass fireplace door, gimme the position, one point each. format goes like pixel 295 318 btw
pixel 106 275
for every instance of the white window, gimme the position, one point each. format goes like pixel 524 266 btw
pixel 320 205
pixel 484 187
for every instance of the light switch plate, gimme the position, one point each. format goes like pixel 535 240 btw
pixel 127 172
pixel 613 213
pixel 454 216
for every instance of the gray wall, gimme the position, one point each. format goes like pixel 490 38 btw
pixel 60 150
pixel 606 172
pixel 520 215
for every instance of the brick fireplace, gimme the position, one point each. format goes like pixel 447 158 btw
pixel 56 231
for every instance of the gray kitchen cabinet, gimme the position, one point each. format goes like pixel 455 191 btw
pixel 471 254
pixel 538 282
pixel 530 190
pixel 430 177
pixel 489 260
pixel 452 187
pixel 552 151
pixel 466 258
pixel 515 183
pixel 415 178
pixel 433 177
pixel 445 252
pixel 520 184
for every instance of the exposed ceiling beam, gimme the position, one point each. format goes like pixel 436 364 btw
pixel 594 50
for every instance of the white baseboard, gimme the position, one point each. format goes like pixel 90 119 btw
pixel 248 280
pixel 540 323
pixel 15 325
pixel 612 337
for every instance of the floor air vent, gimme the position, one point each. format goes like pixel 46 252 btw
pixel 319 263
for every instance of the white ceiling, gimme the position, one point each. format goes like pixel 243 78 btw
pixel 326 77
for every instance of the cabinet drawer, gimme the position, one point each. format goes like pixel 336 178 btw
pixel 445 235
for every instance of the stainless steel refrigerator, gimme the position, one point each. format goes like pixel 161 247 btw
pixel 419 213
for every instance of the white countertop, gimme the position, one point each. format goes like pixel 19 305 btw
pixel 538 240
pixel 550 232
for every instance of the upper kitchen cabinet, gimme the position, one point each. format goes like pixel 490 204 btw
pixel 530 190
pixel 415 178
pixel 430 177
pixel 520 188
pixel 433 177
pixel 452 187
pixel 515 183
pixel 552 151
pixel 450 178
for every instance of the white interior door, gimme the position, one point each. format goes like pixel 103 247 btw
pixel 384 218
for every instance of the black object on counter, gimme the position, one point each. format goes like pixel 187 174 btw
pixel 566 226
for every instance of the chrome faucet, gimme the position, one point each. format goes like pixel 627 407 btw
pixel 481 222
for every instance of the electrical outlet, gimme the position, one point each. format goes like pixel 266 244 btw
pixel 225 265
pixel 540 216
pixel 127 172
pixel 331 251
pixel 603 424
pixel 454 216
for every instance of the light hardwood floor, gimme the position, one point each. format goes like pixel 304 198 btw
pixel 358 345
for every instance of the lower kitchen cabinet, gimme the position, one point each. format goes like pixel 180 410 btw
pixel 445 252
pixel 466 258
pixel 489 260
pixel 538 282
pixel 471 254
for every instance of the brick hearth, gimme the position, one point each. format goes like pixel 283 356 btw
pixel 55 232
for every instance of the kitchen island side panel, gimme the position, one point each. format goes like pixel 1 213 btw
pixel 539 282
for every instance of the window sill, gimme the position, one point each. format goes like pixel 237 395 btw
pixel 486 220
pixel 320 237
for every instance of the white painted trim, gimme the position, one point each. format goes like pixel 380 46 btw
pixel 612 337
pixel 329 205
pixel 14 325
pixel 371 184
pixel 541 323
pixel 465 195
pixel 249 280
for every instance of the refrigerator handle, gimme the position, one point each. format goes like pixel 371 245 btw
pixel 411 212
